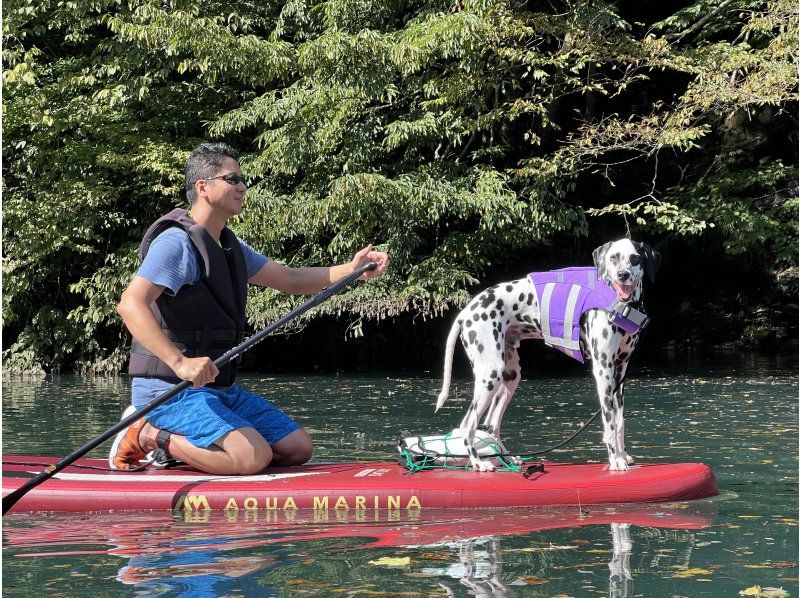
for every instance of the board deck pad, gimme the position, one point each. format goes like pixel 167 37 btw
pixel 88 486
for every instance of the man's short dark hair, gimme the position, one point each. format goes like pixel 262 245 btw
pixel 206 161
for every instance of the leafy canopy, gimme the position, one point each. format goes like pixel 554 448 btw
pixel 454 135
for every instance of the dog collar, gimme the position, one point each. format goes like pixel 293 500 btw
pixel 627 317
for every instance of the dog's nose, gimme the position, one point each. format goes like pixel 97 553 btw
pixel 623 276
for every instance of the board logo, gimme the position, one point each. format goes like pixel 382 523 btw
pixel 370 472
pixel 199 502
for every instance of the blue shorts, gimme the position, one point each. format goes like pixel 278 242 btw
pixel 204 415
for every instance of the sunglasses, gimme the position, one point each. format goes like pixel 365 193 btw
pixel 231 178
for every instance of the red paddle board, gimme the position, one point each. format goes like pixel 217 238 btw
pixel 87 486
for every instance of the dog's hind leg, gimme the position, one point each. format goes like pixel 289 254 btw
pixel 494 414
pixel 487 385
pixel 510 379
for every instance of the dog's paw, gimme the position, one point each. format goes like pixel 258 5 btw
pixel 618 464
pixel 482 465
pixel 629 460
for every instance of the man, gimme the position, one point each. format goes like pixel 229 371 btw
pixel 185 307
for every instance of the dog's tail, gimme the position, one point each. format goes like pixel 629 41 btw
pixel 448 362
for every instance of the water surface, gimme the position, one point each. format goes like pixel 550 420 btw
pixel 740 419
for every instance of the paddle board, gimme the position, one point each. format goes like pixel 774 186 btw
pixel 87 485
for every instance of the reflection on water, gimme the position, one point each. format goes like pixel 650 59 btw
pixel 738 420
pixel 489 552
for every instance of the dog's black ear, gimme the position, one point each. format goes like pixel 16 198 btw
pixel 651 259
pixel 599 257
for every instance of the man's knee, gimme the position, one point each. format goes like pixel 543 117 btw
pixel 248 450
pixel 295 449
pixel 303 453
pixel 254 461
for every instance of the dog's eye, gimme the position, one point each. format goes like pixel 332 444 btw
pixel 614 258
pixel 635 260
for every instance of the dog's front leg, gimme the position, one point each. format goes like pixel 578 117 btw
pixel 604 350
pixel 605 380
pixel 618 424
pixel 621 361
pixel 620 578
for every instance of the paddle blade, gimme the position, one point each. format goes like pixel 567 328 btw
pixel 10 499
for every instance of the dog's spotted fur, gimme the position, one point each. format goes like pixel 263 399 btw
pixel 496 320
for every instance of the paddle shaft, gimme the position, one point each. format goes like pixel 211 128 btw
pixel 11 499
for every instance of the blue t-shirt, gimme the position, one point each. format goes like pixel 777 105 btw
pixel 171 262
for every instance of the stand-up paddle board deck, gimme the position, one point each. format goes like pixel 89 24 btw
pixel 85 486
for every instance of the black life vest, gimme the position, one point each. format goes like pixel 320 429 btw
pixel 203 319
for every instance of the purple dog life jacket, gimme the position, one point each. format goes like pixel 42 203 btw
pixel 565 295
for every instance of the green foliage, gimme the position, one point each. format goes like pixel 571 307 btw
pixel 448 133
pixel 97 134
pixel 755 207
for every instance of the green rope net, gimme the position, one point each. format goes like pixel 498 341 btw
pixel 424 458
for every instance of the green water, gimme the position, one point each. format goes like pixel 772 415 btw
pixel 738 418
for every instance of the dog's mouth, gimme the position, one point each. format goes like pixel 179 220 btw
pixel 623 291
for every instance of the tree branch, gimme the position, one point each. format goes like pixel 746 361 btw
pixel 699 24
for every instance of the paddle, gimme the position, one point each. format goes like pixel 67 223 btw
pixel 11 499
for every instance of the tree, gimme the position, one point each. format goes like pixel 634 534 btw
pixel 453 134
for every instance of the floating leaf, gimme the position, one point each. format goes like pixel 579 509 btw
pixel 687 573
pixel 533 580
pixel 434 556
pixel 765 592
pixel 751 591
pixel 775 565
pixel 390 561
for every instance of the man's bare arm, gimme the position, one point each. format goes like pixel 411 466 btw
pixel 307 281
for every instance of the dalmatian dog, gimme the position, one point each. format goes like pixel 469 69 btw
pixel 494 322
